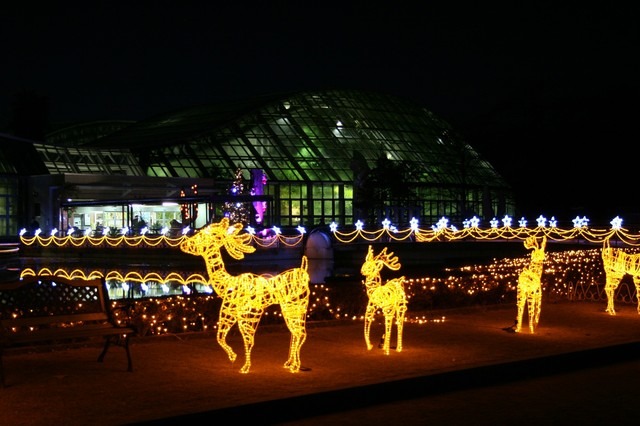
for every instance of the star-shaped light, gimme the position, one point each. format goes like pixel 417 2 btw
pixel 359 225
pixel 580 222
pixel 333 227
pixel 386 223
pixel 414 224
pixel 542 221
pixel 616 223
pixel 506 221
pixel 494 223
pixel 301 229
pixel 553 222
pixel 251 230
pixel 522 222
pixel 475 222
pixel 442 223
pixel 276 230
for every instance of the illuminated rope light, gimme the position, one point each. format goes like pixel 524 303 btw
pixel 529 290
pixel 442 231
pixel 132 276
pixel 617 264
pixel 148 241
pixel 246 296
pixel 389 297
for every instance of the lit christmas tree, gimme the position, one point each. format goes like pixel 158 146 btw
pixel 237 211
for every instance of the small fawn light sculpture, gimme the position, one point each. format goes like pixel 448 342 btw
pixel 617 263
pixel 529 285
pixel 246 296
pixel 389 297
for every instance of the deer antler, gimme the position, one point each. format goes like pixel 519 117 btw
pixel 235 244
pixel 389 260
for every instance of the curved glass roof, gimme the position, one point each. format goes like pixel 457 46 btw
pixel 305 136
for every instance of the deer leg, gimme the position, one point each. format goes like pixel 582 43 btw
pixel 296 326
pixel 521 301
pixel 368 319
pixel 612 281
pixel 225 322
pixel 532 302
pixel 297 339
pixel 248 329
pixel 537 307
pixel 388 323
pixel 636 281
pixel 400 325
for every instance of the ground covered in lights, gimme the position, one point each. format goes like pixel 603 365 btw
pixel 568 275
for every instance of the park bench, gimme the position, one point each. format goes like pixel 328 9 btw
pixel 47 311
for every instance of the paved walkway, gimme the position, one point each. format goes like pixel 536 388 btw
pixel 582 366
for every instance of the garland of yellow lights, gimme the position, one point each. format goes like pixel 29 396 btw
pixel 389 297
pixel 133 276
pixel 442 231
pixel 529 291
pixel 246 296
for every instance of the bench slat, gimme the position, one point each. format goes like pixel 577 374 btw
pixel 76 332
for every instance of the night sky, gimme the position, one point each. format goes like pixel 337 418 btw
pixel 548 93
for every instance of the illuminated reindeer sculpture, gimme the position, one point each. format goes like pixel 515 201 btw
pixel 617 264
pixel 246 296
pixel 529 285
pixel 389 297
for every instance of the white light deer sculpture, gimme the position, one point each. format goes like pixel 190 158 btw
pixel 246 296
pixel 617 264
pixel 529 285
pixel 389 297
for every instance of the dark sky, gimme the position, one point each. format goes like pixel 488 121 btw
pixel 546 92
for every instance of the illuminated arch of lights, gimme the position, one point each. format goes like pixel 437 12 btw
pixel 442 231
pixel 131 276
pixel 272 238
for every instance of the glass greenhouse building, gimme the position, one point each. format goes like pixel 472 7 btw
pixel 326 156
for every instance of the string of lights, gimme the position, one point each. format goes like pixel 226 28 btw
pixel 442 231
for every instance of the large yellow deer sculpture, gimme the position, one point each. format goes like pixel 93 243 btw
pixel 617 263
pixel 390 297
pixel 246 296
pixel 529 285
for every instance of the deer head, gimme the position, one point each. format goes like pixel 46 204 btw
pixel 374 264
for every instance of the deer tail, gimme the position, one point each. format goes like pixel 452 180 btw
pixel 305 263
